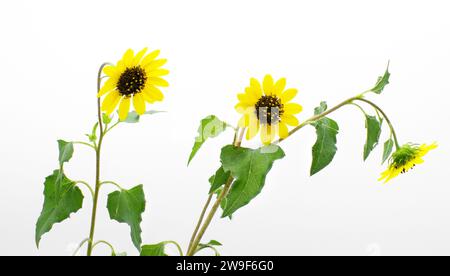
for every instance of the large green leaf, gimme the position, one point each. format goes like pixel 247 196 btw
pixel 249 168
pixel 382 82
pixel 65 152
pixel 61 198
pixel 325 148
pixel 373 127
pixel 153 250
pixel 127 206
pixel 388 146
pixel 210 127
pixel 218 179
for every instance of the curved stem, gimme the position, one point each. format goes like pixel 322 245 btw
pixel 177 245
pixel 112 183
pixel 394 134
pixel 97 164
pixel 113 252
pixel 237 142
pixel 84 144
pixel 200 220
pixel 110 128
pixel 87 185
pixel 79 246
pixel 217 253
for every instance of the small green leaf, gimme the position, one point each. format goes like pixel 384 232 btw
pixel 93 136
pixel 210 127
pixel 373 127
pixel 388 146
pixel 61 198
pixel 382 82
pixel 127 206
pixel 218 179
pixel 106 119
pixel 325 148
pixel 65 152
pixel 153 250
pixel 215 243
pixel 249 168
pixel 133 117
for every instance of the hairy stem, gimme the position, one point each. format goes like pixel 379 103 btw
pixel 97 165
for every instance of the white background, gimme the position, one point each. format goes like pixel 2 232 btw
pixel 330 50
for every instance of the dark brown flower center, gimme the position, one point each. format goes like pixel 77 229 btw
pixel 132 81
pixel 269 110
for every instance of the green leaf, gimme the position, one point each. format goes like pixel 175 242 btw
pixel 65 152
pixel 218 179
pixel 210 127
pixel 215 243
pixel 93 136
pixel 153 250
pixel 133 117
pixel 127 206
pixel 382 82
pixel 120 254
pixel 106 119
pixel 325 148
pixel 61 198
pixel 249 168
pixel 388 146
pixel 373 127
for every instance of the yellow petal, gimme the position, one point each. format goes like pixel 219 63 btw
pixel 155 64
pixel 255 88
pixel 139 103
pixel 110 102
pixel 128 57
pixel 152 94
pixel 290 120
pixel 253 127
pixel 109 85
pixel 268 85
pixel 110 70
pixel 158 73
pixel 289 95
pixel 293 108
pixel 137 59
pixel 267 134
pixel 279 86
pixel 283 130
pixel 158 81
pixel 149 58
pixel 124 108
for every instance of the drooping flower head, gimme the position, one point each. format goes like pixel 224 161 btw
pixel 135 78
pixel 404 159
pixel 268 109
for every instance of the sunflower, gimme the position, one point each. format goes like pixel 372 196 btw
pixel 134 78
pixel 405 159
pixel 267 108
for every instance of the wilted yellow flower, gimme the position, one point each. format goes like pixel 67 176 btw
pixel 404 159
pixel 134 78
pixel 268 108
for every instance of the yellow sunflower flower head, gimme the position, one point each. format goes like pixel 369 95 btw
pixel 405 159
pixel 135 78
pixel 267 109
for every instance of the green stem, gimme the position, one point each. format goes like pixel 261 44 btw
pixel 200 220
pixel 113 126
pixel 111 183
pixel 87 185
pixel 79 246
pixel 394 134
pixel 84 144
pixel 97 165
pixel 177 245
pixel 237 142
pixel 113 252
